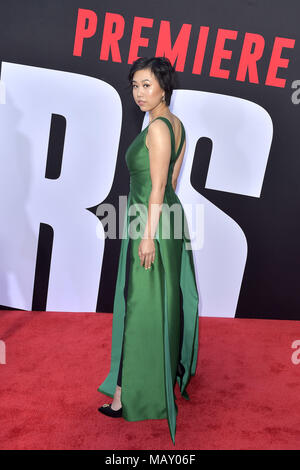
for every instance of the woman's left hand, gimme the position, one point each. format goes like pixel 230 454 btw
pixel 147 252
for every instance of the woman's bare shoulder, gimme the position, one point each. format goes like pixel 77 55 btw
pixel 158 129
pixel 157 132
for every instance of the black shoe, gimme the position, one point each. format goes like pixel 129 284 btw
pixel 108 411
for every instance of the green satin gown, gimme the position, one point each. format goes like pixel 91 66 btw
pixel 158 321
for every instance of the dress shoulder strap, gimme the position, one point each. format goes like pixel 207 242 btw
pixel 182 138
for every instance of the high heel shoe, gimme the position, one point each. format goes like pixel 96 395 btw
pixel 107 410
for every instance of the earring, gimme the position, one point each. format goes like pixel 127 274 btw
pixel 163 98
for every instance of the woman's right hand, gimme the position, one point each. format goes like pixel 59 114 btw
pixel 147 252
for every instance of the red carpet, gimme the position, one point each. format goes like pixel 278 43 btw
pixel 245 395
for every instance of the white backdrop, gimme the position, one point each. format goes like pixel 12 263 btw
pixel 241 133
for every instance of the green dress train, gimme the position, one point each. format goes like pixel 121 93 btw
pixel 158 321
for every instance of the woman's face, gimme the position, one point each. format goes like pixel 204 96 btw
pixel 146 90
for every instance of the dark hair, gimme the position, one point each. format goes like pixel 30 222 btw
pixel 163 70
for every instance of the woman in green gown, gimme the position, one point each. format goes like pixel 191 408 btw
pixel 155 318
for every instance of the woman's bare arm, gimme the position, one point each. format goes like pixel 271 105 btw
pixel 159 145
